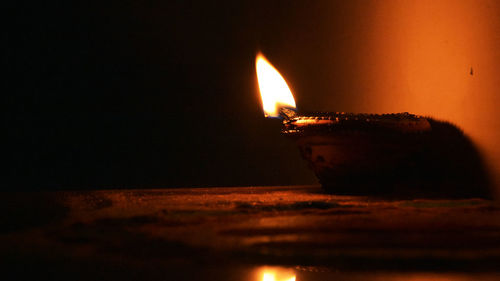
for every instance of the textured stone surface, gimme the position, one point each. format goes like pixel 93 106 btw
pixel 124 234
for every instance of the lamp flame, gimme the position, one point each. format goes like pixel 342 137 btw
pixel 273 88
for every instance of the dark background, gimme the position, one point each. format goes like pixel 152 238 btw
pixel 142 94
pixel 136 94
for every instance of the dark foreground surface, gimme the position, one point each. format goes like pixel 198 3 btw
pixel 231 233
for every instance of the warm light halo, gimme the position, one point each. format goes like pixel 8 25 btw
pixel 277 275
pixel 274 90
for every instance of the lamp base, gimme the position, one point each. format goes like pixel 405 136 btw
pixel 393 154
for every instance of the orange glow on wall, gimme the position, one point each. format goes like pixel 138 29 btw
pixel 441 59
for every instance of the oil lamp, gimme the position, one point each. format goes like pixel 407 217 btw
pixel 398 153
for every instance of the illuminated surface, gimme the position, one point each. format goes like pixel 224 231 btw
pixel 275 274
pixel 226 233
pixel 273 88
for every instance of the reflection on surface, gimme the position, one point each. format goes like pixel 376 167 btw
pixel 230 233
pixel 320 273
pixel 275 274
